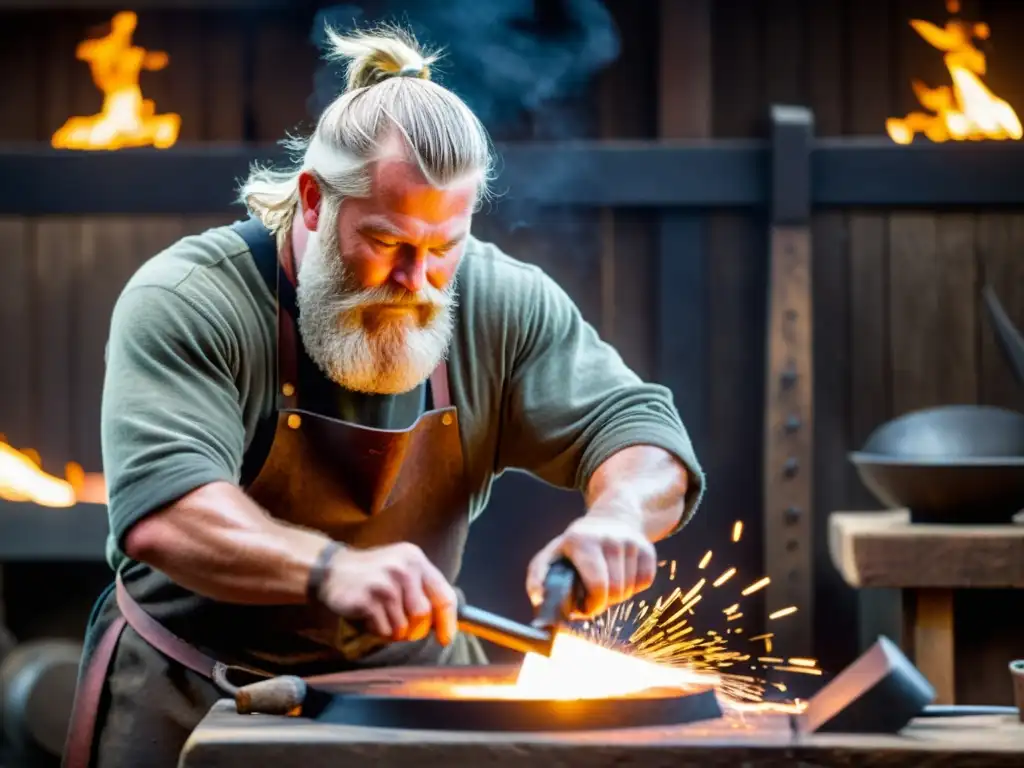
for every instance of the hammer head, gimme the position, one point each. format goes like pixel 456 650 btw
pixel 564 595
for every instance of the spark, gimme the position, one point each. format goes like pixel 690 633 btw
pixel 803 662
pixel 783 612
pixel 737 530
pixel 704 561
pixel 760 584
pixel 731 609
pixel 672 571
pixel 801 670
pixel 725 577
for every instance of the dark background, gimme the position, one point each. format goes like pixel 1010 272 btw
pixel 896 296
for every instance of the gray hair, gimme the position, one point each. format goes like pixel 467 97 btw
pixel 388 88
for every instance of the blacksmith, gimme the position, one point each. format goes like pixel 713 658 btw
pixel 304 412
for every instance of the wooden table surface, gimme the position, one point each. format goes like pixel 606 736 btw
pixel 225 739
pixel 930 564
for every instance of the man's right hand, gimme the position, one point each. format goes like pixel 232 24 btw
pixel 394 589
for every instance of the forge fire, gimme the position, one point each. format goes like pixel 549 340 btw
pixel 967 110
pixel 127 118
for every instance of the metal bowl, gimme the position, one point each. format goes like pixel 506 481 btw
pixel 951 464
pixel 950 433
pixel 969 491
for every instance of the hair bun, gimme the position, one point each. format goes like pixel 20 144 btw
pixel 378 55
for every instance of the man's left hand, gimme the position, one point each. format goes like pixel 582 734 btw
pixel 613 556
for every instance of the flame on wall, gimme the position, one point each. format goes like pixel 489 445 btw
pixel 967 110
pixel 126 119
pixel 22 479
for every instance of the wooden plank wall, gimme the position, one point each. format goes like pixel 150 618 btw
pixel 60 276
pixel 898 322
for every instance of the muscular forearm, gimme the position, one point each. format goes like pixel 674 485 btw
pixel 219 543
pixel 643 484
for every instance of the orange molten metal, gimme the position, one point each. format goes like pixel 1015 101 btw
pixel 126 118
pixel 967 111
pixel 580 669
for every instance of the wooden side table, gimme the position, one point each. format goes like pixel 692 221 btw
pixel 927 563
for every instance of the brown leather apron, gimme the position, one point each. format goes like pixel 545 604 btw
pixel 359 485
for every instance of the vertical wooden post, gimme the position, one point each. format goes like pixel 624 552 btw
pixel 930 619
pixel 789 386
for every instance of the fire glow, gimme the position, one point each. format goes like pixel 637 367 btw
pixel 126 119
pixel 967 110
pixel 579 668
pixel 22 479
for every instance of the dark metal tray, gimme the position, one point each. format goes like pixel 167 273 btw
pixel 416 700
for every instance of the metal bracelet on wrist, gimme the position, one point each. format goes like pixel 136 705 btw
pixel 318 573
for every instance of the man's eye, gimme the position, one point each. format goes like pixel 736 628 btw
pixel 384 243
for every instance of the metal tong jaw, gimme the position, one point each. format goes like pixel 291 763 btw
pixel 564 594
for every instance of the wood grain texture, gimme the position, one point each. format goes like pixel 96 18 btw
pixel 284 59
pixel 883 549
pixel 934 648
pixel 58 248
pixel 914 312
pixel 789 448
pixel 685 111
pixel 835 604
pixel 1000 243
pixel 225 738
pixel 737 309
pixel 628 239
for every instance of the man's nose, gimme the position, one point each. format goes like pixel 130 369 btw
pixel 411 273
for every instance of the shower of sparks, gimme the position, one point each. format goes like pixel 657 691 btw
pixel 665 631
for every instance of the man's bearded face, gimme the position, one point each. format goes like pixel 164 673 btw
pixel 360 319
pixel 383 339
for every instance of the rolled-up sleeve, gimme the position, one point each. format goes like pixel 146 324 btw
pixel 571 402
pixel 171 419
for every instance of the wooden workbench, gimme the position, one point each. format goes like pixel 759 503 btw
pixel 929 563
pixel 225 739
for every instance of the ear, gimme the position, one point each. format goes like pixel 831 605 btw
pixel 309 199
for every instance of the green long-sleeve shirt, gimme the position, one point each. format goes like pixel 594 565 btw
pixel 191 371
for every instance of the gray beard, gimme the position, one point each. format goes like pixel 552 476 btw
pixel 395 356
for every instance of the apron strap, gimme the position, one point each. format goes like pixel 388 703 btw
pixel 81 736
pixel 161 638
pixel 263 248
pixel 439 395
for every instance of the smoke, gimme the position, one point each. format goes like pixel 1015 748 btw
pixel 506 58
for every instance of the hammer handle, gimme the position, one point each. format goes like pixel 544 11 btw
pixel 563 595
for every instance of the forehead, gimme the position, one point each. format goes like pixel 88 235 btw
pixel 399 190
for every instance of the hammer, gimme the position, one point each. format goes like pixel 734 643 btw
pixel 564 594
